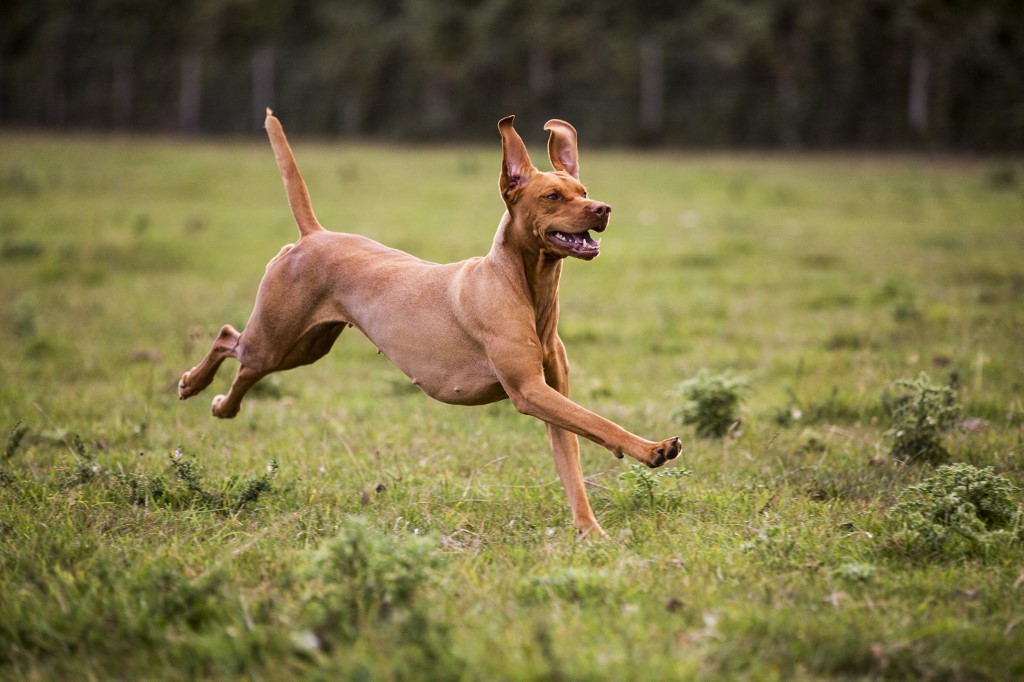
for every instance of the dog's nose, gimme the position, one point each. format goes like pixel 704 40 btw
pixel 601 211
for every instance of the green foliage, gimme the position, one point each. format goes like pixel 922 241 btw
pixel 838 407
pixel 645 488
pixel 433 67
pixel 571 584
pixel 960 511
pixel 921 412
pixel 14 439
pixel 187 489
pixel 712 401
pixel 365 583
pixel 855 571
pixel 362 577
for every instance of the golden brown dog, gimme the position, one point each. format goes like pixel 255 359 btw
pixel 466 333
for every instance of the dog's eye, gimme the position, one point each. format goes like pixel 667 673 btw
pixel 554 196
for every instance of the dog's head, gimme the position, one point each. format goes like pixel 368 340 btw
pixel 550 210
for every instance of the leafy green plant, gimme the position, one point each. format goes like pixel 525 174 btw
pixel 188 486
pixel 960 511
pixel 712 402
pixel 14 439
pixel 85 467
pixel 644 488
pixel 362 578
pixel 232 496
pixel 921 413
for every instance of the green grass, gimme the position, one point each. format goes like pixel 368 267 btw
pixel 820 279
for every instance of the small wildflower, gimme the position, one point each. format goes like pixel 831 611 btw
pixel 177 453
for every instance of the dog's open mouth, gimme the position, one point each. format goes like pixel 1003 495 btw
pixel 581 244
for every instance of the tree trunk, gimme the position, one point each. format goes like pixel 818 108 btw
pixel 918 95
pixel 262 84
pixel 191 91
pixel 121 91
pixel 652 85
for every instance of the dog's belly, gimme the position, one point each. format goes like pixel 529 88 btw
pixel 463 390
pixel 451 372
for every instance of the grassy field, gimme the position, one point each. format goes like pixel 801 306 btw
pixel 346 526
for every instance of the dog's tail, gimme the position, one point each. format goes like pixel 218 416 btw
pixel 298 195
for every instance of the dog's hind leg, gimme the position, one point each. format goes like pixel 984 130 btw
pixel 227 406
pixel 315 343
pixel 200 376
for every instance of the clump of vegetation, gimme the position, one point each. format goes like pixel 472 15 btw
pixel 645 488
pixel 187 488
pixel 572 584
pixel 921 413
pixel 961 511
pixel 362 578
pixel 838 407
pixel 366 584
pixel 712 402
pixel 85 467
pixel 14 439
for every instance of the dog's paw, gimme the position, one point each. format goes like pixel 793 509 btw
pixel 184 390
pixel 591 533
pixel 664 451
pixel 217 410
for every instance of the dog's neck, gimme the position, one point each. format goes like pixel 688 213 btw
pixel 535 271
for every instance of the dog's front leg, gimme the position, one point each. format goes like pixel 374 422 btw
pixel 521 373
pixel 565 446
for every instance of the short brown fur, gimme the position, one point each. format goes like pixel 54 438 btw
pixel 466 333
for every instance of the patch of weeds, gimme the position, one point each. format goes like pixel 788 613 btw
pixel 855 571
pixel 362 581
pixel 578 585
pixel 643 488
pixel 960 511
pixel 143 489
pixel 23 321
pixel 847 340
pixel 1001 177
pixel 188 487
pixel 921 412
pixel 906 310
pixel 712 402
pixel 14 439
pixel 16 181
pixel 85 468
pixel 21 250
pixel 902 298
pixel 232 496
pixel 836 408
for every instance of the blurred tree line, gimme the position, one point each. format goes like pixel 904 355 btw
pixel 767 73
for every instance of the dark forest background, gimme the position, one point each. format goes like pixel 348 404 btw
pixel 873 74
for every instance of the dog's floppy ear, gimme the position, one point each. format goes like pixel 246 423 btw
pixel 516 167
pixel 562 147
